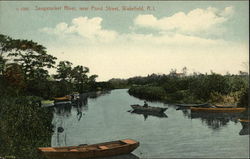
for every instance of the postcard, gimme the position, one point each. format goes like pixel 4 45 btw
pixel 124 79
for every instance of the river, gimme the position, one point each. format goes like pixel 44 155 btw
pixel 179 134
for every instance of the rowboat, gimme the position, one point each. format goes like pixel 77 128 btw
pixel 244 120
pixel 160 115
pixel 225 106
pixel 140 108
pixel 193 105
pixel 106 149
pixel 245 126
pixel 54 103
pixel 214 110
pixel 47 103
pixel 65 98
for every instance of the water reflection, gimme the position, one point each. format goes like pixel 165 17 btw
pixel 146 114
pixel 245 128
pixel 64 111
pixel 216 121
pixel 81 104
pixel 186 112
pixel 127 156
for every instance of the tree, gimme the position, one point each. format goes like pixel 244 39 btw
pixel 2 64
pixel 79 75
pixel 4 48
pixel 32 57
pixel 184 70
pixel 64 71
pixel 14 75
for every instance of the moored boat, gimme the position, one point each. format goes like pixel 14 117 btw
pixel 225 106
pixel 160 115
pixel 47 103
pixel 71 97
pixel 244 120
pixel 228 110
pixel 137 107
pixel 106 149
pixel 245 126
pixel 65 98
pixel 193 105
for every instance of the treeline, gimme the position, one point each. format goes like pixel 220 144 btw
pixel 195 88
pixel 24 68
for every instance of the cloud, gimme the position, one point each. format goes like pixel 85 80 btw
pixel 174 39
pixel 175 42
pixel 197 20
pixel 89 28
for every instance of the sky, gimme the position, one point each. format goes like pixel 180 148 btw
pixel 129 38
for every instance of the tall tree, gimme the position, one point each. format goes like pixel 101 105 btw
pixel 64 71
pixel 79 75
pixel 32 57
pixel 4 48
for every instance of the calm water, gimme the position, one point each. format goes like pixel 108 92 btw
pixel 179 134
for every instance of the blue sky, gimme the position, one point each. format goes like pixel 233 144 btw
pixel 202 36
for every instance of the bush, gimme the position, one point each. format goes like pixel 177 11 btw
pixel 148 92
pixel 244 100
pixel 24 126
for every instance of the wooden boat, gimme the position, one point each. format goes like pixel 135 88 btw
pixel 47 103
pixel 214 110
pixel 193 105
pixel 225 106
pixel 244 120
pixel 160 115
pixel 62 102
pixel 245 126
pixel 65 98
pixel 90 151
pixel 140 108
pixel 54 103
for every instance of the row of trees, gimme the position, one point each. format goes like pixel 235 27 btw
pixel 194 88
pixel 24 67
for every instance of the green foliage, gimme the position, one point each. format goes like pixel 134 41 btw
pixel 24 126
pixel 64 71
pixel 32 58
pixel 118 83
pixel 148 92
pixel 198 88
pixel 244 99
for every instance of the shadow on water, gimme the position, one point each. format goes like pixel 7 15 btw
pixel 64 111
pixel 245 128
pixel 147 114
pixel 127 156
pixel 81 105
pixel 216 121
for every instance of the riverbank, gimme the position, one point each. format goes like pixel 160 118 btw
pixel 214 89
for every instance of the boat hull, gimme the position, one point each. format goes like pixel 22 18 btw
pixel 148 109
pixel 193 105
pixel 214 110
pixel 90 151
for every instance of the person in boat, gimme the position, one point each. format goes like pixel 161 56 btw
pixel 145 104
